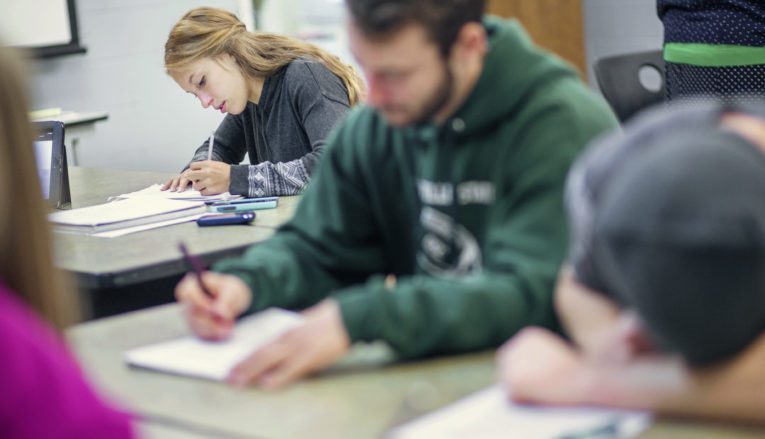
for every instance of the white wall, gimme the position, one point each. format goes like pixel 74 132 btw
pixel 321 22
pixel 153 124
pixel 614 27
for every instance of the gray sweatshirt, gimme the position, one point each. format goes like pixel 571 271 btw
pixel 283 133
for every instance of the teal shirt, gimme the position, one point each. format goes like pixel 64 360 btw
pixel 468 216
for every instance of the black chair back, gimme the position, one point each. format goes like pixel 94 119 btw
pixel 619 80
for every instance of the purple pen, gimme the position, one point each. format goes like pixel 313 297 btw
pixel 197 266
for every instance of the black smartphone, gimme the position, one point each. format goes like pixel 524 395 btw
pixel 226 219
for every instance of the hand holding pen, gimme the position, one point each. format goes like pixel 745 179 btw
pixel 211 146
pixel 212 301
pixel 196 265
pixel 210 177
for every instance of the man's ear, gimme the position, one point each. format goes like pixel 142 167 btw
pixel 627 341
pixel 471 42
pixel 633 336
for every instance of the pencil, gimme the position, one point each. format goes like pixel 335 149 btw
pixel 210 146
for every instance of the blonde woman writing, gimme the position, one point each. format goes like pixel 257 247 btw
pixel 282 98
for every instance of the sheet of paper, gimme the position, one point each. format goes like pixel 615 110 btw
pixel 489 414
pixel 189 194
pixel 129 230
pixel 194 357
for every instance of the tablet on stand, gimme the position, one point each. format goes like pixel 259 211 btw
pixel 52 168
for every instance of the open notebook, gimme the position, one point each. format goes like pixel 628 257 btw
pixel 188 194
pixel 211 360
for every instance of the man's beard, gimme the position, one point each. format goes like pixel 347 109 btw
pixel 441 97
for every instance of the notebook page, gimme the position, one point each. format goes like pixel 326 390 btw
pixel 189 194
pixel 194 357
pixel 490 414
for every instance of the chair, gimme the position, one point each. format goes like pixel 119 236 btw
pixel 619 79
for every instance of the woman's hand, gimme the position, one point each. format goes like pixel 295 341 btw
pixel 178 183
pixel 209 177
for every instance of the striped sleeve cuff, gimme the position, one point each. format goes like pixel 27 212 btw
pixel 277 179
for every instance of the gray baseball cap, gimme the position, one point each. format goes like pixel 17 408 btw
pixel 680 238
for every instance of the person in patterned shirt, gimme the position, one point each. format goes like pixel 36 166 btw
pixel 282 98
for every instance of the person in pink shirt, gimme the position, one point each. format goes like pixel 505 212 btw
pixel 43 392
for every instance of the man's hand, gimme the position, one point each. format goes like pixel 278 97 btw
pixel 538 366
pixel 210 177
pixel 213 318
pixel 318 342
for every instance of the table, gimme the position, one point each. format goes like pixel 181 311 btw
pixel 362 397
pixel 157 429
pixel 78 125
pixel 140 269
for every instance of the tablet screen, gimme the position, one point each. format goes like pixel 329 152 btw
pixel 50 155
pixel 44 155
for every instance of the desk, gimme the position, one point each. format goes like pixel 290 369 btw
pixel 78 125
pixel 127 272
pixel 73 118
pixel 362 397
pixel 158 430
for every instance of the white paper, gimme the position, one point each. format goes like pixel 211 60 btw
pixel 490 414
pixel 189 194
pixel 129 230
pixel 192 356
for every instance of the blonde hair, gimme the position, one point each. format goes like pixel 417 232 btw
pixel 26 257
pixel 210 32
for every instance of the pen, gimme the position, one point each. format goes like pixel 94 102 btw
pixel 242 201
pixel 197 266
pixel 210 146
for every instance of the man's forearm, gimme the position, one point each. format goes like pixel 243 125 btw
pixel 733 391
pixel 587 316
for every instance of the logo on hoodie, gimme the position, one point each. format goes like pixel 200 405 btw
pixel 468 192
pixel 448 249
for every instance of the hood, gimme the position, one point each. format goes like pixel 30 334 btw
pixel 514 70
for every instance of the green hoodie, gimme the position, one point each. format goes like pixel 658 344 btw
pixel 468 216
